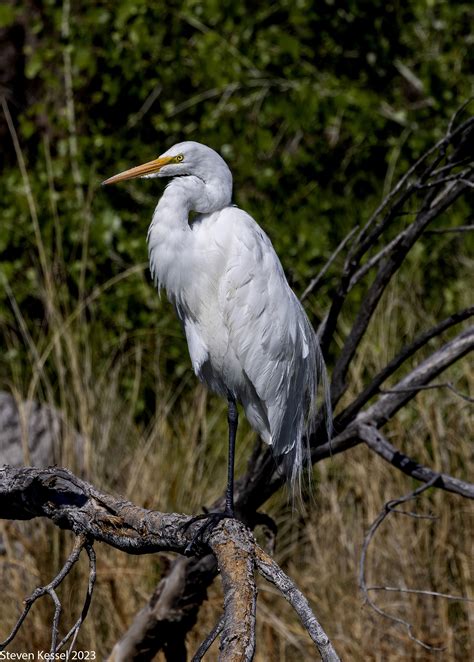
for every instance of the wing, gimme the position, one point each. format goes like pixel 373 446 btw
pixel 271 335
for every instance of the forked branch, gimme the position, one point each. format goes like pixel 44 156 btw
pixel 92 515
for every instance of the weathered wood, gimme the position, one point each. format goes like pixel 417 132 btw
pixel 72 503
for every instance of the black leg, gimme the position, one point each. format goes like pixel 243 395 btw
pixel 214 518
pixel 233 420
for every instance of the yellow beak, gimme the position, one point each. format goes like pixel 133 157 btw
pixel 141 170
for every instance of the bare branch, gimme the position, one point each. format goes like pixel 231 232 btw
pixel 372 262
pixel 274 574
pixel 74 631
pixel 391 207
pixel 235 556
pixel 460 228
pixel 49 589
pixel 134 119
pixel 388 404
pixel 315 282
pixel 72 503
pixel 351 410
pixel 171 611
pixel 388 508
pixel 449 178
pixel 209 640
pixel 416 591
pixel 457 113
pixel 378 443
pixel 387 269
pixel 425 387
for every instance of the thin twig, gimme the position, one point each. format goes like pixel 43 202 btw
pixel 392 262
pixel 457 113
pixel 425 387
pixel 49 589
pixel 410 513
pixel 416 591
pixel 372 262
pixel 313 284
pixel 147 104
pixel 459 228
pixel 209 640
pixel 451 165
pixel 387 509
pixel 74 631
pixel 389 403
pixel 450 178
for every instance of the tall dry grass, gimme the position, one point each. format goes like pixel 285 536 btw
pixel 177 463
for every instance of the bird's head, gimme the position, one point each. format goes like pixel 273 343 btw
pixel 186 158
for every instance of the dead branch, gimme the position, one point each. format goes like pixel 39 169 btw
pixel 389 403
pixel 417 591
pixel 427 387
pixel 387 509
pixel 170 613
pixel 72 503
pixel 380 445
pixel 209 640
pixel 236 559
pixel 274 574
pixel 404 192
pixel 390 265
pixel 317 280
pixel 458 229
pixel 392 366
pixel 80 543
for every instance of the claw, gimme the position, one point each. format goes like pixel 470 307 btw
pixel 213 520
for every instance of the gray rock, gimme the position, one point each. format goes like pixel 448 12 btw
pixel 43 429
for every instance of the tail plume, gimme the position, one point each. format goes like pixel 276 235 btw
pixel 306 405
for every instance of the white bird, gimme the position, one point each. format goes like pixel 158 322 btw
pixel 248 336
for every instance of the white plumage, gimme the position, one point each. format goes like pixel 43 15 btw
pixel 248 336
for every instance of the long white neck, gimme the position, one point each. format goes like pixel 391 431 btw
pixel 170 236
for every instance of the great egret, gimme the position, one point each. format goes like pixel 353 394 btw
pixel 248 336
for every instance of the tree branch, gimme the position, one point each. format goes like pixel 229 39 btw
pixel 351 410
pixel 428 387
pixel 50 589
pixel 236 564
pixel 392 207
pixel 74 504
pixel 273 573
pixel 317 280
pixel 387 269
pixel 389 403
pixel 387 509
pixel 209 640
pixel 380 445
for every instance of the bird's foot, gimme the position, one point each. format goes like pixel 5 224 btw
pixel 212 520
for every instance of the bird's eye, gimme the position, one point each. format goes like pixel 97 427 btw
pixel 179 158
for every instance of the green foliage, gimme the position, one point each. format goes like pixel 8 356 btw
pixel 317 107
